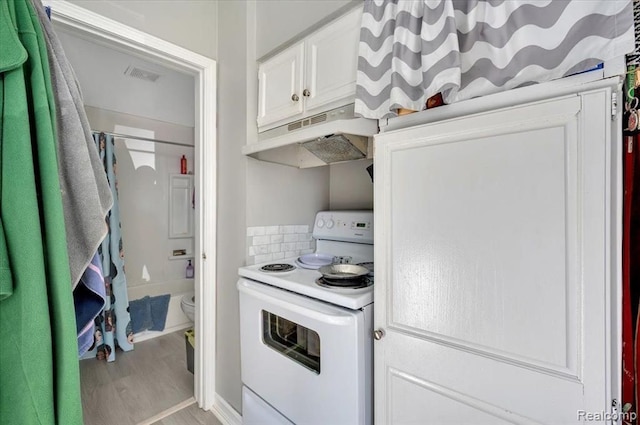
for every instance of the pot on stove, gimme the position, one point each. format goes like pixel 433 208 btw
pixel 343 271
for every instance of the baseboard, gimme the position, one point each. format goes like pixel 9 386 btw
pixel 145 335
pixel 225 413
pixel 168 412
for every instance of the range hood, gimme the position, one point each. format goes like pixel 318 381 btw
pixel 332 136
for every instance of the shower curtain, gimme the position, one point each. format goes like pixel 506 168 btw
pixel 113 326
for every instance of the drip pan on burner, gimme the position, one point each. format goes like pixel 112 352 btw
pixel 277 268
pixel 357 283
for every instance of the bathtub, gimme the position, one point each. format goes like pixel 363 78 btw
pixel 176 319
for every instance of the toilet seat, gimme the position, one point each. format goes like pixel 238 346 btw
pixel 188 305
pixel 189 299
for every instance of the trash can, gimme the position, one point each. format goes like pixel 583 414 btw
pixel 190 342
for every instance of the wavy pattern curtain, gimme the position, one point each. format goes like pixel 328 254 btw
pixel 412 50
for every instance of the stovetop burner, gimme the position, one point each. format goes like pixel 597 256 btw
pixel 277 268
pixel 361 282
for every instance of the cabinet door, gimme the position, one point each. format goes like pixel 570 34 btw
pixel 496 263
pixel 279 85
pixel 181 206
pixel 331 56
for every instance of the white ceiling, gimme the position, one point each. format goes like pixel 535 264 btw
pixel 101 74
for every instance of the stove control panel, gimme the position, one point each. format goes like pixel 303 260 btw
pixel 348 226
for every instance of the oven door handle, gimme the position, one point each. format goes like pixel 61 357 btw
pixel 316 310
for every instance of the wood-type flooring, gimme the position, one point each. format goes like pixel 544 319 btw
pixel 141 384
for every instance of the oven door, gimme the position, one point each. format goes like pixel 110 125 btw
pixel 308 359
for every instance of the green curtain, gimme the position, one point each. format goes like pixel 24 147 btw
pixel 39 371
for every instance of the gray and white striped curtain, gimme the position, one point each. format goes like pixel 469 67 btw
pixel 411 50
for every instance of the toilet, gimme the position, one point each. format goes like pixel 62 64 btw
pixel 188 305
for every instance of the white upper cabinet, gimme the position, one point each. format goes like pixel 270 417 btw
pixel 331 61
pixel 320 71
pixel 280 86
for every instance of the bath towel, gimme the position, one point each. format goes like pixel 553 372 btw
pixel 39 370
pixel 89 298
pixel 149 313
pixel 159 308
pixel 86 197
pixel 140 311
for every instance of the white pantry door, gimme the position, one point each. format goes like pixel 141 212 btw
pixel 494 248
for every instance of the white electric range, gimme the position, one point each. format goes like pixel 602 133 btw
pixel 306 345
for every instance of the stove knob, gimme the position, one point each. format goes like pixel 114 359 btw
pixel 330 224
pixel 320 223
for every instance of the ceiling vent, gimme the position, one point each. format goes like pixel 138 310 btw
pixel 141 74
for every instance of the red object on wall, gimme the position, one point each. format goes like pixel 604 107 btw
pixel 183 165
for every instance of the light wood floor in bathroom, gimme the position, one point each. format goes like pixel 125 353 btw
pixel 140 384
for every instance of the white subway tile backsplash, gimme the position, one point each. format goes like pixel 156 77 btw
pixel 287 229
pixel 290 246
pixel 291 238
pixel 258 249
pixel 264 258
pixel 261 240
pixel 272 243
pixel 274 247
pixel 255 231
pixel 272 230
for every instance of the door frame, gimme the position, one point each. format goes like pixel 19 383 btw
pixel 98 28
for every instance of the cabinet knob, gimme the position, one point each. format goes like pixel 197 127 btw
pixel 378 334
pixel 306 93
pixel 295 97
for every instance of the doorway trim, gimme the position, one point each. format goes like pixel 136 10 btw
pixel 95 27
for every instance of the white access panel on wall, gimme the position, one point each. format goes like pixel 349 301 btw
pixel 181 206
pixel 496 250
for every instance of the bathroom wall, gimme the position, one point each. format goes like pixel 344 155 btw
pixel 143 190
